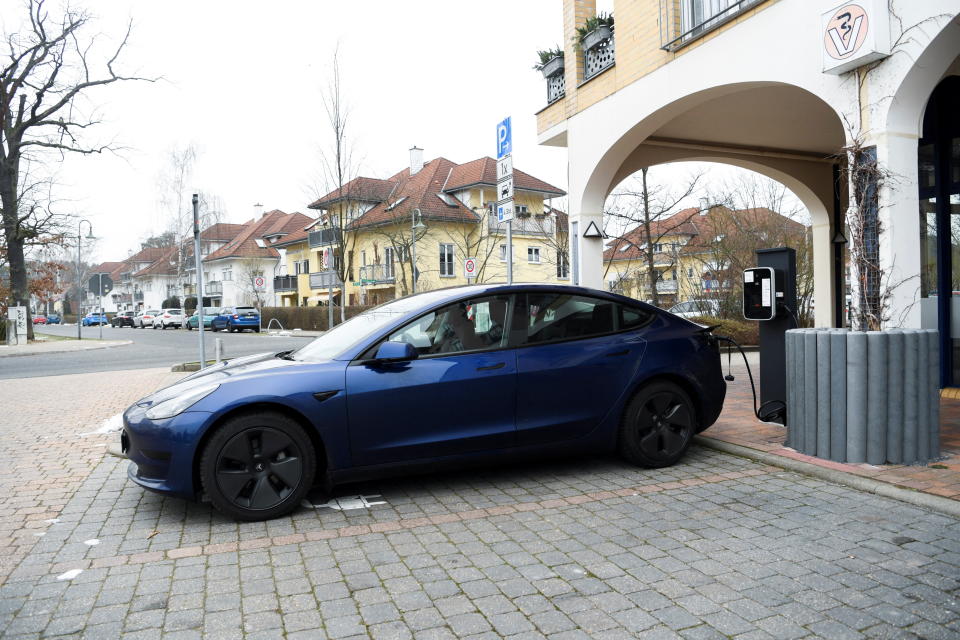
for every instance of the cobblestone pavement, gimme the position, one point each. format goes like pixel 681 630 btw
pixel 45 459
pixel 715 547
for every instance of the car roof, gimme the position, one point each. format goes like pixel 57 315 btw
pixel 455 293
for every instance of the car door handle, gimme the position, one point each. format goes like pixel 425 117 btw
pixel 492 367
pixel 622 352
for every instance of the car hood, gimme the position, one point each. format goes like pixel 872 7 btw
pixel 225 372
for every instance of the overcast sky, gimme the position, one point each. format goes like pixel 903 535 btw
pixel 242 81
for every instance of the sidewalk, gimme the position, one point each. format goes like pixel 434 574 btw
pixel 738 426
pixel 59 346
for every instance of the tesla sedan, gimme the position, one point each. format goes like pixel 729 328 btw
pixel 443 377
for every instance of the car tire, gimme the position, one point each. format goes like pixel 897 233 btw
pixel 657 426
pixel 239 467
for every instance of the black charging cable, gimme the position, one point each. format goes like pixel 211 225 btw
pixel 776 410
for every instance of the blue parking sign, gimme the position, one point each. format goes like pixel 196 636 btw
pixel 504 138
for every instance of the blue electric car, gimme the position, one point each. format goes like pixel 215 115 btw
pixel 448 376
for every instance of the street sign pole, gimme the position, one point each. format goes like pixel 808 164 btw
pixel 504 206
pixel 509 251
pixel 100 292
pixel 197 262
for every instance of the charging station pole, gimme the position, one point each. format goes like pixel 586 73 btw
pixel 773 333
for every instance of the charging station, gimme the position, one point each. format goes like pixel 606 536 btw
pixel 770 296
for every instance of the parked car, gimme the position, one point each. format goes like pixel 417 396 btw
pixel 168 318
pixel 237 319
pixel 95 318
pixel 696 308
pixel 440 378
pixel 123 319
pixel 145 317
pixel 39 319
pixel 209 313
pixel 53 318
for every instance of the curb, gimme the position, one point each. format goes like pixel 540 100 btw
pixel 190 366
pixel 89 346
pixel 869 485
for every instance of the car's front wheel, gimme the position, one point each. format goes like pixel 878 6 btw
pixel 258 466
pixel 657 426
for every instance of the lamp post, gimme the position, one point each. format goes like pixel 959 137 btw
pixel 416 223
pixel 79 283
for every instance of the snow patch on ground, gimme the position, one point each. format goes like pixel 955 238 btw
pixel 92 542
pixel 70 575
pixel 110 425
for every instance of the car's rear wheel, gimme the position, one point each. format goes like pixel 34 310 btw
pixel 258 466
pixel 657 426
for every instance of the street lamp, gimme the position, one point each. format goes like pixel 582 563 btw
pixel 416 224
pixel 79 283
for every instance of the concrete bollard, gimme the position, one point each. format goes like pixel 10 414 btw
pixel 876 397
pixel 810 392
pixel 857 397
pixel 911 385
pixel 218 350
pixel 923 396
pixel 895 386
pixel 824 405
pixel 934 420
pixel 838 396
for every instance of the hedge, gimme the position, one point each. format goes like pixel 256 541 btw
pixel 743 331
pixel 305 318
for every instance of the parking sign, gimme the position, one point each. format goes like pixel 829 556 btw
pixel 505 211
pixel 504 138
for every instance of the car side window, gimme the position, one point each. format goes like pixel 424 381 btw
pixel 468 325
pixel 634 317
pixel 548 317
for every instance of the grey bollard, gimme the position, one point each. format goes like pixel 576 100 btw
pixel 923 396
pixel 857 397
pixel 895 387
pixel 797 440
pixel 810 392
pixel 934 420
pixel 823 395
pixel 911 347
pixel 789 341
pixel 838 396
pixel 218 350
pixel 876 397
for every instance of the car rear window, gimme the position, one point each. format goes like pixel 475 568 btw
pixel 246 309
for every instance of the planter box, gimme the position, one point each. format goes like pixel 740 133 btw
pixel 552 67
pixel 595 37
pixel 855 396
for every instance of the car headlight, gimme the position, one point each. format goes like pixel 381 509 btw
pixel 180 403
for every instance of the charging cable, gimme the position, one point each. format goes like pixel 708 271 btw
pixel 769 411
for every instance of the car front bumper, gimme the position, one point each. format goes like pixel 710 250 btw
pixel 161 452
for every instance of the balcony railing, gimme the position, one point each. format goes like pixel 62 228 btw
pixel 138 296
pixel 284 283
pixel 529 225
pixel 667 286
pixel 684 21
pixel 556 87
pixel 213 288
pixel 598 59
pixel 324 237
pixel 377 274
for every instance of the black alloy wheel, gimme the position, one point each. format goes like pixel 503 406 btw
pixel 258 466
pixel 657 426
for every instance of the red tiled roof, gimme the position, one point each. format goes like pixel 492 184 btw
pixel 163 265
pixel 420 191
pixel 147 254
pixel 221 231
pixel 361 189
pixel 293 237
pixel 107 267
pixel 484 171
pixel 245 244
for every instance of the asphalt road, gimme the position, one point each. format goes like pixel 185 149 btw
pixel 149 349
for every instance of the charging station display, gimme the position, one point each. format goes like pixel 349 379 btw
pixel 760 293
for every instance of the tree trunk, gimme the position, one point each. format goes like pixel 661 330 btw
pixel 651 269
pixel 19 288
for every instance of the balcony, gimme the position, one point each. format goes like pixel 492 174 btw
pixel 213 288
pixel 138 296
pixel 324 237
pixel 684 21
pixel 284 283
pixel 598 59
pixel 377 274
pixel 667 286
pixel 527 225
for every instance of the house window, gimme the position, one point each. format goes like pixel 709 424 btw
pixel 388 263
pixel 521 210
pixel 563 265
pixel 503 253
pixel 228 275
pixel 446 261
pixel 689 272
pixel 658 247
pixel 533 255
pixel 363 258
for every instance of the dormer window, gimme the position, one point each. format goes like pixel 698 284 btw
pixel 260 242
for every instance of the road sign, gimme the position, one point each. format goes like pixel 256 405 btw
pixel 100 284
pixel 504 138
pixel 470 267
pixel 505 189
pixel 504 167
pixel 505 211
pixel 259 282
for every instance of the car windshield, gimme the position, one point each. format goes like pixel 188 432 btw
pixel 370 322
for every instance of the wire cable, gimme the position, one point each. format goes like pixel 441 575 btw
pixel 780 413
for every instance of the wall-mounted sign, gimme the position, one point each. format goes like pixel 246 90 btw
pixel 854 34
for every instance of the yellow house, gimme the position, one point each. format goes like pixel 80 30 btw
pixel 426 219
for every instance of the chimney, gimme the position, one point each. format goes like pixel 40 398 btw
pixel 257 211
pixel 416 159
pixel 705 206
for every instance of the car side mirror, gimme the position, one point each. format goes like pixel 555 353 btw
pixel 395 351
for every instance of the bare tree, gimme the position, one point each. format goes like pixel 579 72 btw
pixel 51 65
pixel 652 210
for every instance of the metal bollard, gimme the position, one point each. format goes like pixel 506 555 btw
pixel 219 350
